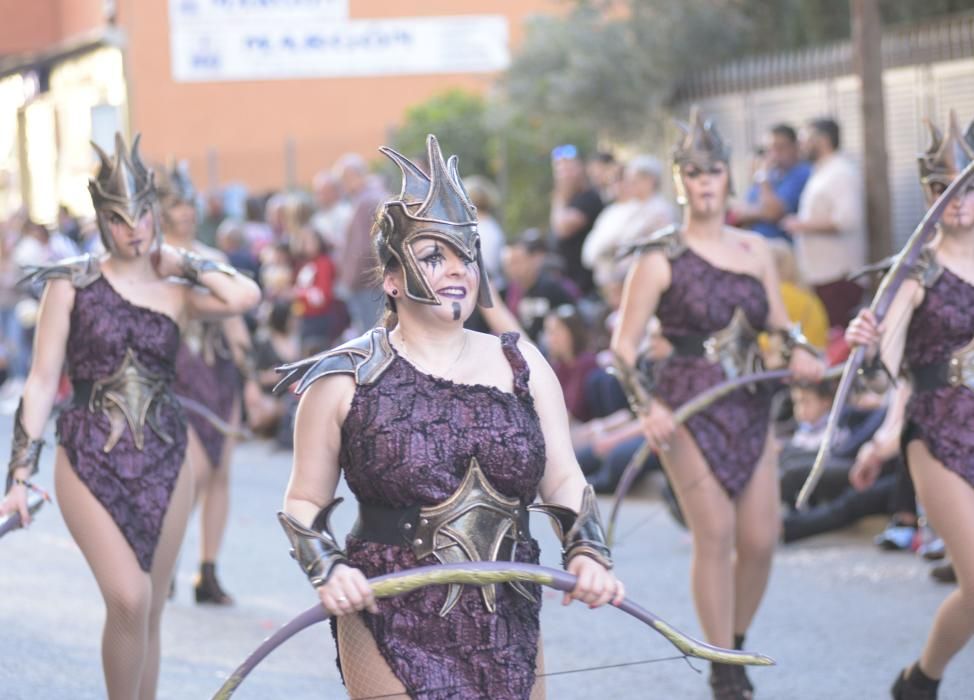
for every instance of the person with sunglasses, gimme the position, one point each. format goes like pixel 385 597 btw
pixel 445 437
pixel 575 205
pixel 929 330
pixel 123 483
pixel 713 289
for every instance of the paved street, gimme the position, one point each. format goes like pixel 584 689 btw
pixel 840 617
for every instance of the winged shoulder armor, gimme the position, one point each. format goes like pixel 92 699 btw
pixel 926 270
pixel 668 240
pixel 365 358
pixel 81 270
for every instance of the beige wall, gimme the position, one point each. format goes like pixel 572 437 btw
pixel 27 26
pixel 247 124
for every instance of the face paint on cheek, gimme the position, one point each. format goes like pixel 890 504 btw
pixel 456 311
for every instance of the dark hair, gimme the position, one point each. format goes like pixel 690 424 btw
pixel 279 316
pixel 569 315
pixel 785 131
pixel 604 157
pixel 828 128
pixel 532 240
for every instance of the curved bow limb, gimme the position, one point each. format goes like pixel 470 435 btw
pixel 698 403
pixel 481 574
pixel 904 262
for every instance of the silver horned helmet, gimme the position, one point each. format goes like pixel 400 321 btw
pixel 429 206
pixel 177 188
pixel 946 156
pixel 702 146
pixel 124 187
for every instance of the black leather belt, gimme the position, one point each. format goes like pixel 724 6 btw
pixel 689 345
pixel 931 377
pixel 395 526
pixel 82 392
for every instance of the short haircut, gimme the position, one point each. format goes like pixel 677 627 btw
pixel 828 128
pixel 785 131
pixel 533 241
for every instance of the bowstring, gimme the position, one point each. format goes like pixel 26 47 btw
pixel 549 674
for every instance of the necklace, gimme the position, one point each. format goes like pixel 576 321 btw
pixel 445 373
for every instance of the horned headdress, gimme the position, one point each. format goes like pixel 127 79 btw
pixel 123 187
pixel 429 206
pixel 949 153
pixel 702 146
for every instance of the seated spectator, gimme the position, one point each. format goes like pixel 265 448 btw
pixel 640 210
pixel 801 303
pixel 778 181
pixel 532 291
pixel 275 343
pixel 566 345
pixel 232 241
pixel 811 406
pixel 322 317
pixel 879 484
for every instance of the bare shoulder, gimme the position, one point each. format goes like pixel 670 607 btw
pixel 748 239
pixel 328 399
pixel 60 291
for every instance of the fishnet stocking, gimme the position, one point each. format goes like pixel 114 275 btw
pixel 367 674
pixel 133 598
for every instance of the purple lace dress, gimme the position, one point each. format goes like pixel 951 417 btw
pixel 942 418
pixel 133 485
pixel 700 301
pixel 215 385
pixel 408 440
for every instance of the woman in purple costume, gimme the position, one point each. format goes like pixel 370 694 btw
pixel 929 331
pixel 430 424
pixel 209 367
pixel 722 463
pixel 121 479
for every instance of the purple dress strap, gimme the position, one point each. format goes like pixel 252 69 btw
pixel 522 373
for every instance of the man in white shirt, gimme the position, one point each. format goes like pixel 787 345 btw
pixel 830 227
pixel 640 210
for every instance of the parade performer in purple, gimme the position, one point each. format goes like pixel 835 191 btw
pixel 120 473
pixel 713 288
pixel 446 437
pixel 929 332
pixel 215 360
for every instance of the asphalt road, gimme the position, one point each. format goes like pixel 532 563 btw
pixel 840 616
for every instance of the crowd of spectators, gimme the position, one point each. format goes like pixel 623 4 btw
pixel 310 252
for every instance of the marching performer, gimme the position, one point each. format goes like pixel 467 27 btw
pixel 120 471
pixel 713 288
pixel 445 437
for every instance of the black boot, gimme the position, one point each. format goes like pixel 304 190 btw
pixel 207 587
pixel 739 646
pixel 729 682
pixel 914 684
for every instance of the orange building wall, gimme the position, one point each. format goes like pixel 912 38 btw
pixel 246 124
pixel 28 26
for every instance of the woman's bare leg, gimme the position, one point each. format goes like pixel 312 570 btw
pixel 949 504
pixel 163 568
pixel 709 513
pixel 125 588
pixel 758 527
pixel 216 498
pixel 364 669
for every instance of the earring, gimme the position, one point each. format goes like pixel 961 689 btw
pixel 395 292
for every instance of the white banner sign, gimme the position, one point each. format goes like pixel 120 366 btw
pixel 190 13
pixel 295 46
